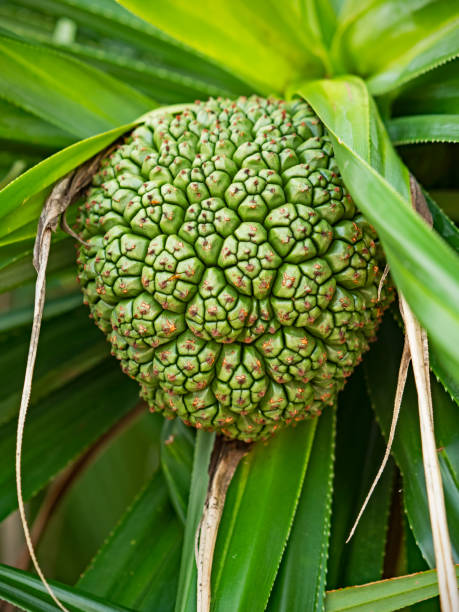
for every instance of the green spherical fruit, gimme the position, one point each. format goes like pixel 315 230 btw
pixel 229 267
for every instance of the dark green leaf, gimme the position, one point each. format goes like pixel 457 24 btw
pixel 101 486
pixel 61 426
pixel 69 346
pixel 300 582
pixel 386 595
pixel 381 367
pixel 259 509
pixel 73 96
pixel 177 445
pixel 27 591
pixel 443 224
pixel 138 565
pixel 186 590
pixel 424 128
pixel 450 232
pixel 359 451
pixel 16 266
pixel 19 316
pixel 431 93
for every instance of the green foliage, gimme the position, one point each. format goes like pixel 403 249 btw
pixel 138 565
pixel 90 69
pixel 407 445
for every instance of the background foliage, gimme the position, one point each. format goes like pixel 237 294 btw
pixel 116 493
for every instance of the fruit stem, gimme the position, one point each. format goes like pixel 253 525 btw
pixel 225 458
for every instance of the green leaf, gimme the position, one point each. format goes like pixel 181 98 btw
pixel 73 96
pixel 364 555
pixel 441 371
pixel 300 582
pixel 163 67
pixel 424 128
pixel 138 565
pixel 61 426
pixel 21 128
pixel 16 266
pixel 390 42
pixel 442 223
pixel 423 266
pixel 186 590
pixel 18 316
pixel 359 451
pixel 432 93
pixel 319 16
pixel 177 445
pixel 99 493
pixel 260 507
pixel 162 85
pixel 385 595
pixel 22 200
pixel 381 367
pixel 58 362
pixel 27 591
pixel 259 41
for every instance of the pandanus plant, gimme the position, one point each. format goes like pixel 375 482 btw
pixel 227 174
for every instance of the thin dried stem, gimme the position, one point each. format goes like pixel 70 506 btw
pixel 62 195
pixel 447 584
pixel 226 456
pixel 419 349
pixel 38 312
pixel 401 382
pixel 382 280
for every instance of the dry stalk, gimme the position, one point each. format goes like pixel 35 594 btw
pixel 447 584
pixel 419 349
pixel 225 458
pixel 64 193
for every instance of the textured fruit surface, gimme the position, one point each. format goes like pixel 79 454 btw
pixel 229 267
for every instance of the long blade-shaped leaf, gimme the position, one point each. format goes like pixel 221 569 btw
pixel 177 445
pixel 386 595
pixel 392 41
pixel 58 362
pixel 381 367
pixel 108 31
pixel 21 128
pixel 27 591
pixel 260 508
pixel 432 93
pixel 359 450
pixel 73 96
pixel 300 582
pixel 138 565
pixel 258 40
pixel 16 266
pixel 60 427
pixel 424 128
pixel 424 267
pixel 22 200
